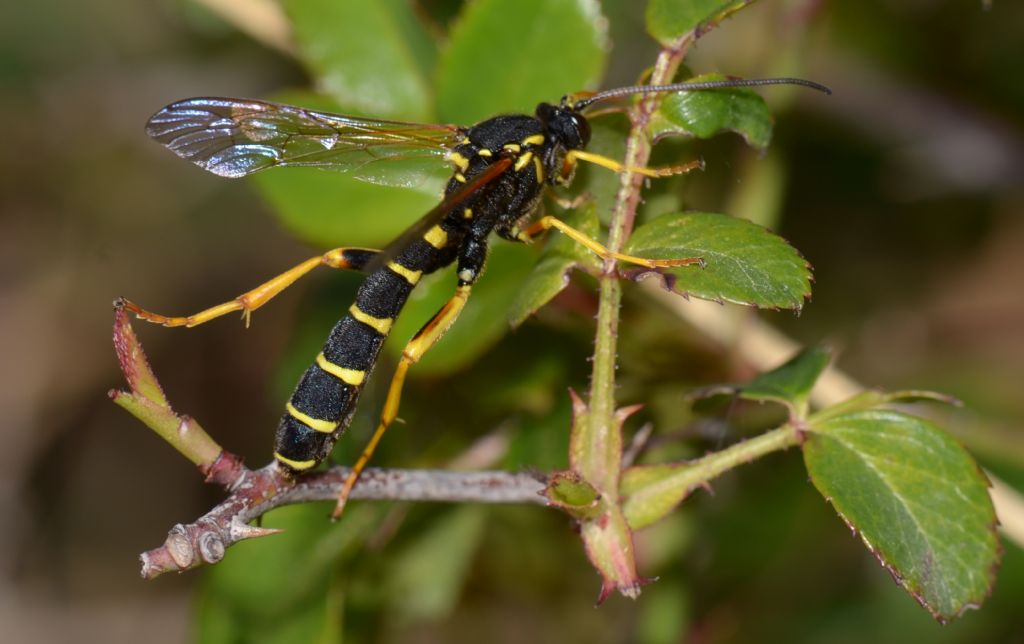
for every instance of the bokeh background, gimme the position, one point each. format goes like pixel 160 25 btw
pixel 905 190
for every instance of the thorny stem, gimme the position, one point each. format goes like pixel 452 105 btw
pixel 605 437
pixel 256 492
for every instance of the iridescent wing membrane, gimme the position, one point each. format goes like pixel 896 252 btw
pixel 234 138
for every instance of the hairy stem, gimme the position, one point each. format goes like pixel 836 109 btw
pixel 705 469
pixel 603 433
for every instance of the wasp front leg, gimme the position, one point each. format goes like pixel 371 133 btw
pixel 343 258
pixel 574 156
pixel 547 222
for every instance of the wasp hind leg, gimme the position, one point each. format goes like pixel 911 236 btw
pixel 547 222
pixel 344 258
pixel 426 338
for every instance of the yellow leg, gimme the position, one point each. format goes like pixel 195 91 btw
pixel 605 162
pixel 427 337
pixel 350 258
pixel 547 222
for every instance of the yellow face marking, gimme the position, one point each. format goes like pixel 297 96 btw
pixel 410 275
pixel 295 465
pixel 534 139
pixel 458 160
pixel 539 167
pixel 436 237
pixel 467 213
pixel 461 178
pixel 523 160
pixel 323 426
pixel 382 325
pixel 354 377
pixel 511 147
pixel 485 153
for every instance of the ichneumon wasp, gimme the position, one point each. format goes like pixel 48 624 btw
pixel 501 167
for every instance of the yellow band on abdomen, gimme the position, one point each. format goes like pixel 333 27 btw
pixel 295 465
pixel 382 325
pixel 352 377
pixel 323 426
pixel 410 275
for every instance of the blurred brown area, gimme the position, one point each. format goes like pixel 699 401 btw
pixel 905 189
pixel 92 210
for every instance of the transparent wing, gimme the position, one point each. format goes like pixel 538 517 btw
pixel 234 137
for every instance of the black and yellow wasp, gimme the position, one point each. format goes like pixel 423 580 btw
pixel 501 167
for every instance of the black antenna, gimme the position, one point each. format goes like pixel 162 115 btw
pixel 696 86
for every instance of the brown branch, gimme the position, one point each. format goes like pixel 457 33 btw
pixel 251 493
pixel 256 492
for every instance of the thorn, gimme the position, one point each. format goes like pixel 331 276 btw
pixel 240 531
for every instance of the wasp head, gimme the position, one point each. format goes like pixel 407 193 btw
pixel 565 124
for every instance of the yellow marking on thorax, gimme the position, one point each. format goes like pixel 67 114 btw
pixel 467 213
pixel 460 161
pixel 436 237
pixel 511 147
pixel 540 169
pixel 523 160
pixel 485 153
pixel 461 178
pixel 295 465
pixel 410 275
pixel 323 426
pixel 382 325
pixel 354 377
pixel 534 139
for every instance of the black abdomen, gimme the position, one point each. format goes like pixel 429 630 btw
pixel 323 402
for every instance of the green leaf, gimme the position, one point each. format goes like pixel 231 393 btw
pixel 426 578
pixel 707 113
pixel 670 20
pixel 746 263
pixel 365 54
pixel 917 499
pixel 327 209
pixel 508 56
pixel 791 383
pixel 872 399
pixel 550 275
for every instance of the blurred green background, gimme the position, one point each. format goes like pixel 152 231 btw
pixel 903 189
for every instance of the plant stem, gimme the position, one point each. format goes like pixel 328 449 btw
pixel 703 470
pixel 259 491
pixel 676 481
pixel 602 432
